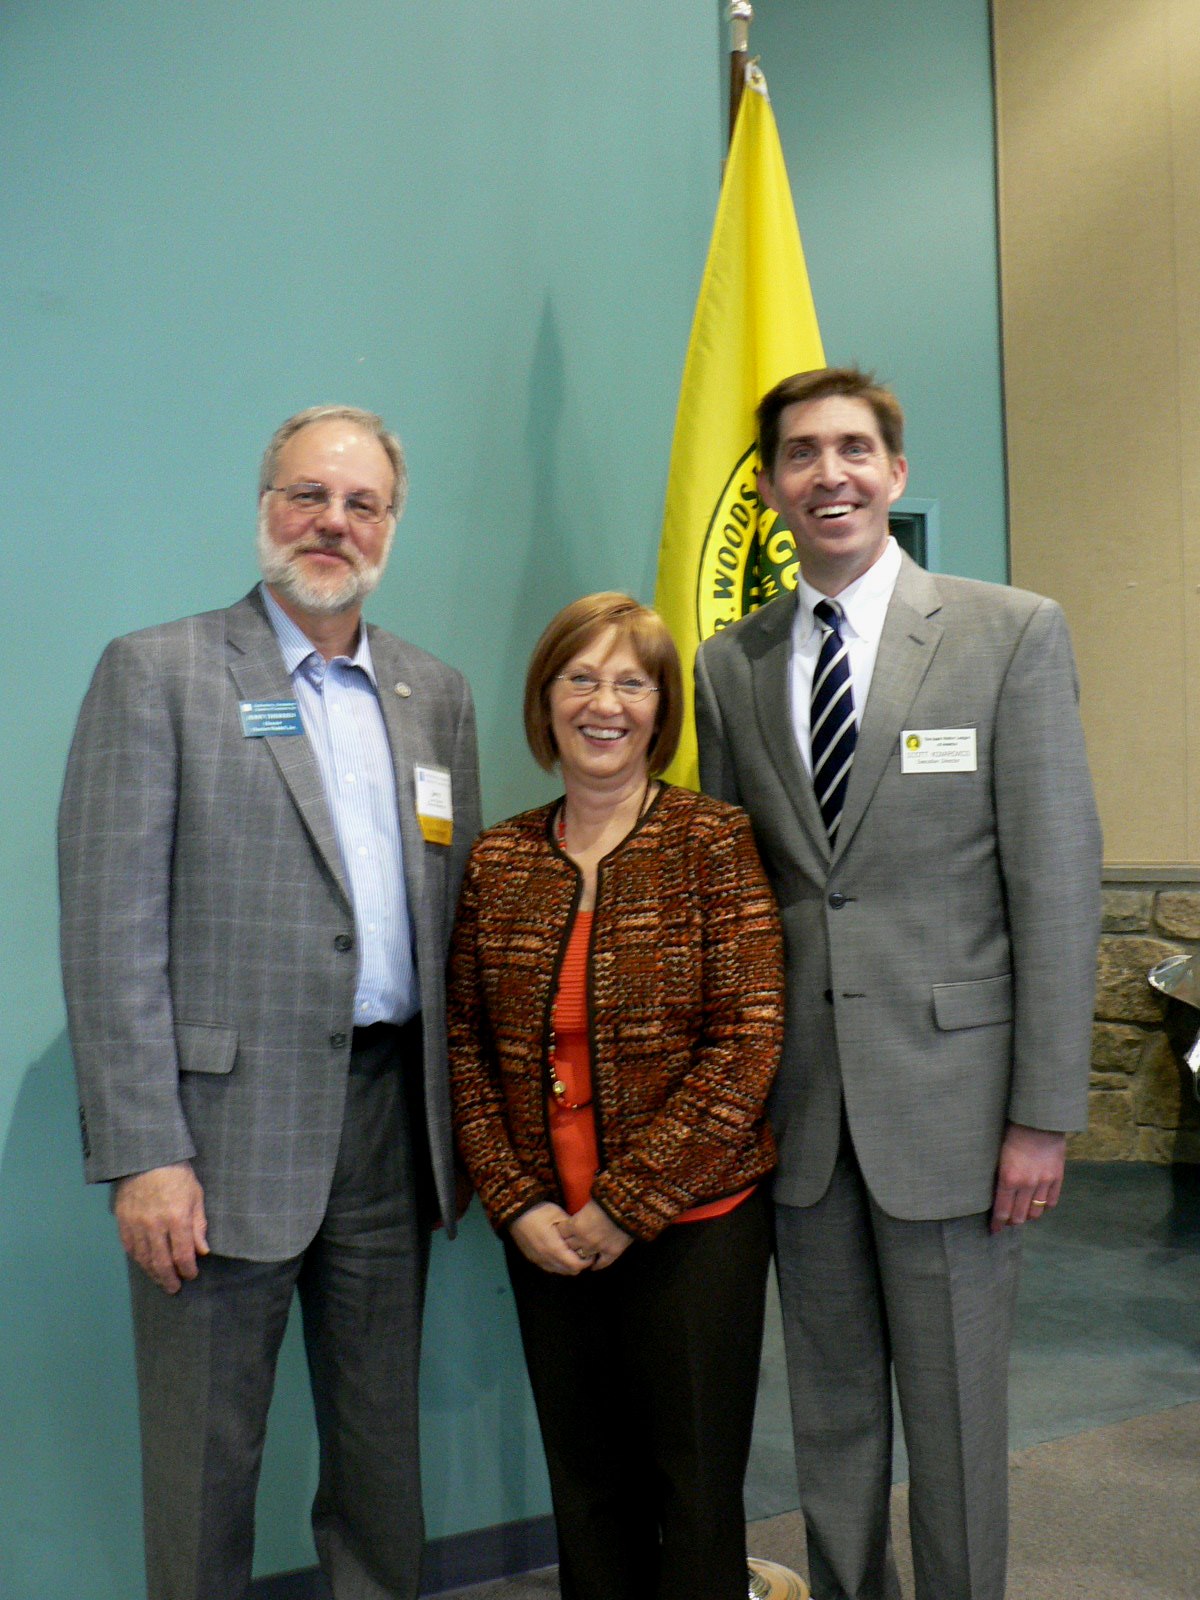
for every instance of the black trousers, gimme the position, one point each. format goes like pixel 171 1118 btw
pixel 644 1376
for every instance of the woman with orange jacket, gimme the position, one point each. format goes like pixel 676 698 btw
pixel 616 1005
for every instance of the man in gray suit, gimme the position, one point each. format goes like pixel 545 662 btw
pixel 266 816
pixel 939 885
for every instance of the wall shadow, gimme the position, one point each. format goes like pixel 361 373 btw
pixel 72 1514
pixel 550 573
pixel 481 1454
pixel 70 1498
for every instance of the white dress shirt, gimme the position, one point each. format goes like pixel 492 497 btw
pixel 865 603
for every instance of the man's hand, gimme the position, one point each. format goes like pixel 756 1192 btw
pixel 595 1237
pixel 163 1227
pixel 1029 1175
pixel 537 1235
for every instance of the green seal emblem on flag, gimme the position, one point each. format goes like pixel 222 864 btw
pixel 748 557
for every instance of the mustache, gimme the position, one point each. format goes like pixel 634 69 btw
pixel 328 545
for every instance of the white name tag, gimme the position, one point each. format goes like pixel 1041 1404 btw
pixel 435 807
pixel 938 750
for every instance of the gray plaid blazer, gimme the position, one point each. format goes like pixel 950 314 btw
pixel 207 930
pixel 941 959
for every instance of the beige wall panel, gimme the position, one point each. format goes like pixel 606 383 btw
pixel 1088 215
pixel 1184 84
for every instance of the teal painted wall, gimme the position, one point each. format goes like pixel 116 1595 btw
pixel 487 221
pixel 885 114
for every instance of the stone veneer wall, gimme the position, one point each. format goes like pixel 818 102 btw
pixel 1138 1108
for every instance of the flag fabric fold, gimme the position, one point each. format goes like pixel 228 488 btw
pixel 722 552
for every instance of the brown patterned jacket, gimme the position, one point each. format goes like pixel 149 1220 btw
pixel 685 977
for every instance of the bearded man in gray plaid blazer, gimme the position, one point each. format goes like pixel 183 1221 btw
pixel 266 816
pixel 939 882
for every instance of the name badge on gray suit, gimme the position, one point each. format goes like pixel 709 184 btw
pixel 938 750
pixel 263 718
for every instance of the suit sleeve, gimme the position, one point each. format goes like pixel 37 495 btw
pixel 1048 837
pixel 468 819
pixel 115 835
pixel 717 775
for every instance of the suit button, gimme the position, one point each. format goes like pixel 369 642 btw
pixel 338 1041
pixel 837 899
pixel 343 942
pixel 829 997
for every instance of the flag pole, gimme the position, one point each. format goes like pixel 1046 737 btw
pixel 754 323
pixel 740 14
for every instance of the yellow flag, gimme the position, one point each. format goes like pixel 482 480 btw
pixel 722 552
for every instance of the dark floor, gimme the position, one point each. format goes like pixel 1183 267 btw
pixel 1108 1328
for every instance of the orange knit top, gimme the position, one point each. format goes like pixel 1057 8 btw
pixel 571 1114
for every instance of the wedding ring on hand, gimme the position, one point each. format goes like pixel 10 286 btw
pixel 1038 1203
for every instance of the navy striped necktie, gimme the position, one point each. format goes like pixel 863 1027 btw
pixel 833 729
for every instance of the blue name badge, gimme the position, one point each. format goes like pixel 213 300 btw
pixel 262 719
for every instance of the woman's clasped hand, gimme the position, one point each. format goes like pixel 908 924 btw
pixel 557 1242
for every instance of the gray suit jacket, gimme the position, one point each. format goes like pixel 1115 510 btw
pixel 941 960
pixel 207 930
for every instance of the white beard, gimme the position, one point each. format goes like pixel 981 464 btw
pixel 322 597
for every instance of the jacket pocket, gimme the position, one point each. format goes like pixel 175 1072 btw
pixel 981 1004
pixel 205 1047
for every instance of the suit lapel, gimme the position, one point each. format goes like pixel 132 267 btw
pixel 257 669
pixel 402 714
pixel 770 671
pixel 910 638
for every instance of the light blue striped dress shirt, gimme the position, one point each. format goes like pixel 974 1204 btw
pixel 339 707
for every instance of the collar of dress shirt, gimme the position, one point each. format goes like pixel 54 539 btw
pixel 297 648
pixel 864 602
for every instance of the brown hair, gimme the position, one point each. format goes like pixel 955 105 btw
pixel 571 630
pixel 802 387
